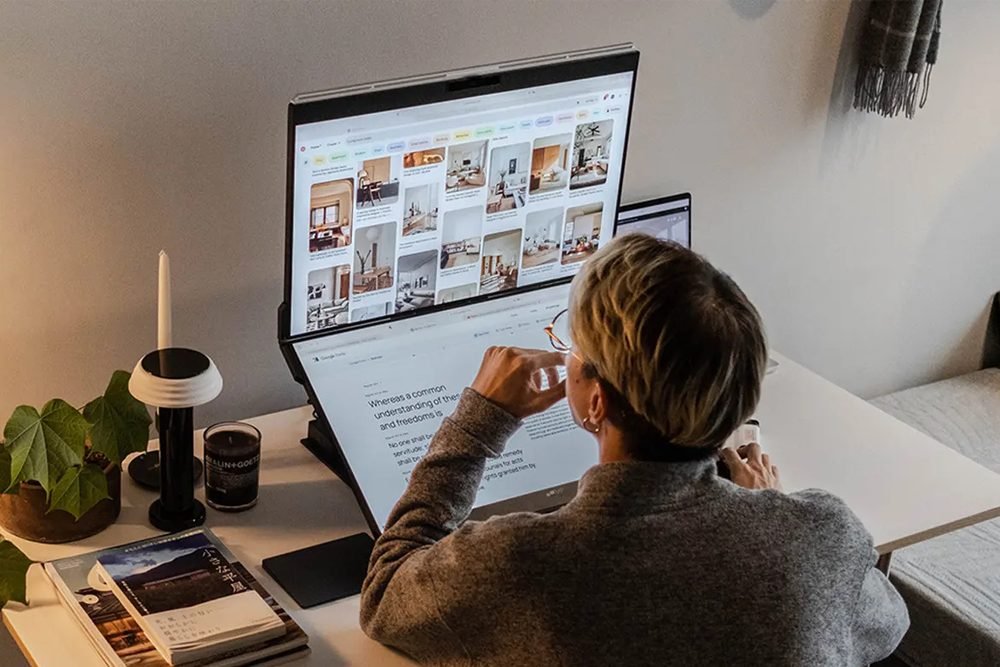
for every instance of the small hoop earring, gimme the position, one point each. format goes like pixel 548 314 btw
pixel 590 426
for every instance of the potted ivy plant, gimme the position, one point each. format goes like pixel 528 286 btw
pixel 60 473
pixel 60 467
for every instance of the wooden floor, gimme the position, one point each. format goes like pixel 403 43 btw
pixel 541 257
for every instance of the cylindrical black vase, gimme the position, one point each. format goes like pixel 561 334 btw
pixel 177 508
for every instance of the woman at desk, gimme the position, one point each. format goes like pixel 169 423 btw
pixel 658 560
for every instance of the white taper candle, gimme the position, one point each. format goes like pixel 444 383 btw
pixel 164 325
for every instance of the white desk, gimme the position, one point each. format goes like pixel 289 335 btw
pixel 905 486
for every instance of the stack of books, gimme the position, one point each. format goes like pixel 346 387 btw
pixel 181 599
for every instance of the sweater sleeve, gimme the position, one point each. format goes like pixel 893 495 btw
pixel 876 614
pixel 880 618
pixel 399 606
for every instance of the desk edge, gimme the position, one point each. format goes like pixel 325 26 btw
pixel 937 531
pixel 17 640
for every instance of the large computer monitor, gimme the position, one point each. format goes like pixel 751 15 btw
pixel 429 219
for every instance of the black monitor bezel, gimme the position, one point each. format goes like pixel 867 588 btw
pixel 428 93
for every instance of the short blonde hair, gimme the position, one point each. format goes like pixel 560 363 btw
pixel 675 340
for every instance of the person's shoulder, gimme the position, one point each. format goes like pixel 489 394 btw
pixel 818 515
pixel 504 530
pixel 831 520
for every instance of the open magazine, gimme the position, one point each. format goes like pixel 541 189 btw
pixel 121 640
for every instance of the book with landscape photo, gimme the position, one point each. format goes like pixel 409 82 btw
pixel 119 635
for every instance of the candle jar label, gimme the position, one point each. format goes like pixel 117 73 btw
pixel 232 466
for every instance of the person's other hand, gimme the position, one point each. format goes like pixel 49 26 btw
pixel 511 377
pixel 750 467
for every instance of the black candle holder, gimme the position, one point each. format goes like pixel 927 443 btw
pixel 175 380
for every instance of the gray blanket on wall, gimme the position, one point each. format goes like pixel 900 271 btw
pixel 898 51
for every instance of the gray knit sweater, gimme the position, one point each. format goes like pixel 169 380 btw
pixel 650 564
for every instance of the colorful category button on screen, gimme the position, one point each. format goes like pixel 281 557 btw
pixel 463 134
pixel 484 131
pixel 564 117
pixel 544 121
pixel 338 156
pixel 395 146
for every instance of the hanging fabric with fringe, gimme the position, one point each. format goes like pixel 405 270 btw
pixel 898 51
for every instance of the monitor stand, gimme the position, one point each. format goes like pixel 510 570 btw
pixel 331 570
pixel 323 445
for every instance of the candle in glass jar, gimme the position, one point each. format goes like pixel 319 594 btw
pixel 232 466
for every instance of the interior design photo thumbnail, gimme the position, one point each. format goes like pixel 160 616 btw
pixel 416 276
pixel 466 165
pixel 541 237
pixel 460 237
pixel 550 164
pixel 374 257
pixel 376 182
pixel 508 177
pixel 425 158
pixel 591 148
pixel 457 293
pixel 371 312
pixel 420 209
pixel 499 267
pixel 581 232
pixel 329 291
pixel 330 214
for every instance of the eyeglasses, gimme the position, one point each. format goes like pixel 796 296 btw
pixel 558 332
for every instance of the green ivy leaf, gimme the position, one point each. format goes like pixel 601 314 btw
pixel 79 489
pixel 13 570
pixel 42 446
pixel 120 422
pixel 5 478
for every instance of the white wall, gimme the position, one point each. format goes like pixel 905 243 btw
pixel 870 245
pixel 462 224
pixel 506 244
pixel 544 224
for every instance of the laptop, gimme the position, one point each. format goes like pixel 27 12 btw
pixel 428 219
pixel 667 218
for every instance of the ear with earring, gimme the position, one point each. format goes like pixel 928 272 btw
pixel 591 426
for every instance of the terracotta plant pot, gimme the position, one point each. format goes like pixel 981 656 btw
pixel 26 514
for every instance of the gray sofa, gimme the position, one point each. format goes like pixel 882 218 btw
pixel 951 584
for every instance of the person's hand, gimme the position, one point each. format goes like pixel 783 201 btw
pixel 750 467
pixel 511 377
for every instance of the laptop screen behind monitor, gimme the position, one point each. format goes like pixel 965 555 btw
pixel 667 218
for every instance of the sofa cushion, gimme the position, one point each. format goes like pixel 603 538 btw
pixel 951 583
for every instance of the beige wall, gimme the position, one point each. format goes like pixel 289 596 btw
pixel 125 127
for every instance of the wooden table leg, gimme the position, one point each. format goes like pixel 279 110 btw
pixel 883 563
